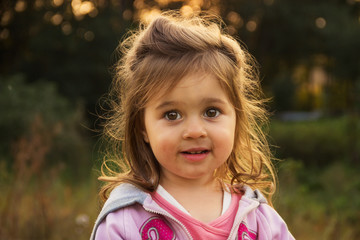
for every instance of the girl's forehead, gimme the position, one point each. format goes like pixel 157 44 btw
pixel 197 84
pixel 192 79
pixel 170 85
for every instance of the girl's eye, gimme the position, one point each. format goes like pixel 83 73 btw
pixel 212 113
pixel 172 115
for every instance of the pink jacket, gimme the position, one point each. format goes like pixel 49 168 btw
pixel 130 213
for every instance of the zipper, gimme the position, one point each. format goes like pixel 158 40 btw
pixel 172 218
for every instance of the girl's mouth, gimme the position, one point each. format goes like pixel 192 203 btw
pixel 195 152
pixel 195 155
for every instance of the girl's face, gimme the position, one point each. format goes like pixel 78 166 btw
pixel 191 128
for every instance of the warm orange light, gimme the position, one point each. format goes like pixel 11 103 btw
pixel 235 19
pixel 57 3
pixel 145 11
pixel 195 5
pixel 4 34
pixel 56 19
pixel 20 6
pixel 127 14
pixel 148 15
pixel 251 26
pixel 48 15
pixel 38 4
pixel 320 22
pixel 86 7
pixel 163 3
pixel 80 8
pixel 139 4
pixel 6 18
pixel 231 30
pixel 186 11
pixel 66 28
pixel 89 36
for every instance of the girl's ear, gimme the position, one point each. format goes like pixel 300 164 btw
pixel 145 136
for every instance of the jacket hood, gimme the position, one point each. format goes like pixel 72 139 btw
pixel 120 197
pixel 255 195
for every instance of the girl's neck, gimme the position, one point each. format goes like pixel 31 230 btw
pixel 202 199
pixel 203 184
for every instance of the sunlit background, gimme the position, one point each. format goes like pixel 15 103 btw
pixel 55 65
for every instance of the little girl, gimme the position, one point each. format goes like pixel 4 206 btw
pixel 186 113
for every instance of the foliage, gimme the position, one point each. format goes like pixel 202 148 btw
pixel 23 106
pixel 319 188
pixel 317 143
pixel 283 90
pixel 43 148
pixel 319 203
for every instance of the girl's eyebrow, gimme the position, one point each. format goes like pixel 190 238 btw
pixel 166 104
pixel 213 100
pixel 210 100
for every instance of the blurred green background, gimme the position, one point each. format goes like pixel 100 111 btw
pixel 55 65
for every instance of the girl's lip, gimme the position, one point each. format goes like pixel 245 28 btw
pixel 195 154
pixel 192 150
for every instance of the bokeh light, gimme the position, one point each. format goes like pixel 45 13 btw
pixel 320 22
pixel 56 19
pixel 251 26
pixel 81 8
pixel 20 6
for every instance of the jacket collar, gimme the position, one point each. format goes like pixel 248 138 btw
pixel 255 195
pixel 121 196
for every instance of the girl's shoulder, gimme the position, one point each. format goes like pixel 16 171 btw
pixel 128 212
pixel 270 223
pixel 125 200
pixel 261 217
pixel 123 223
pixel 121 197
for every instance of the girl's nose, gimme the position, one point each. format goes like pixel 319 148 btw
pixel 194 128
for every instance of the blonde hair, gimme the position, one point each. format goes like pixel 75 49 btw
pixel 153 60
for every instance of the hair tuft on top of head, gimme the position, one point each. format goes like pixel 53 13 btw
pixel 174 38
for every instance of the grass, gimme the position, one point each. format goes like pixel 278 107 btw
pixel 37 200
pixel 317 143
pixel 48 208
